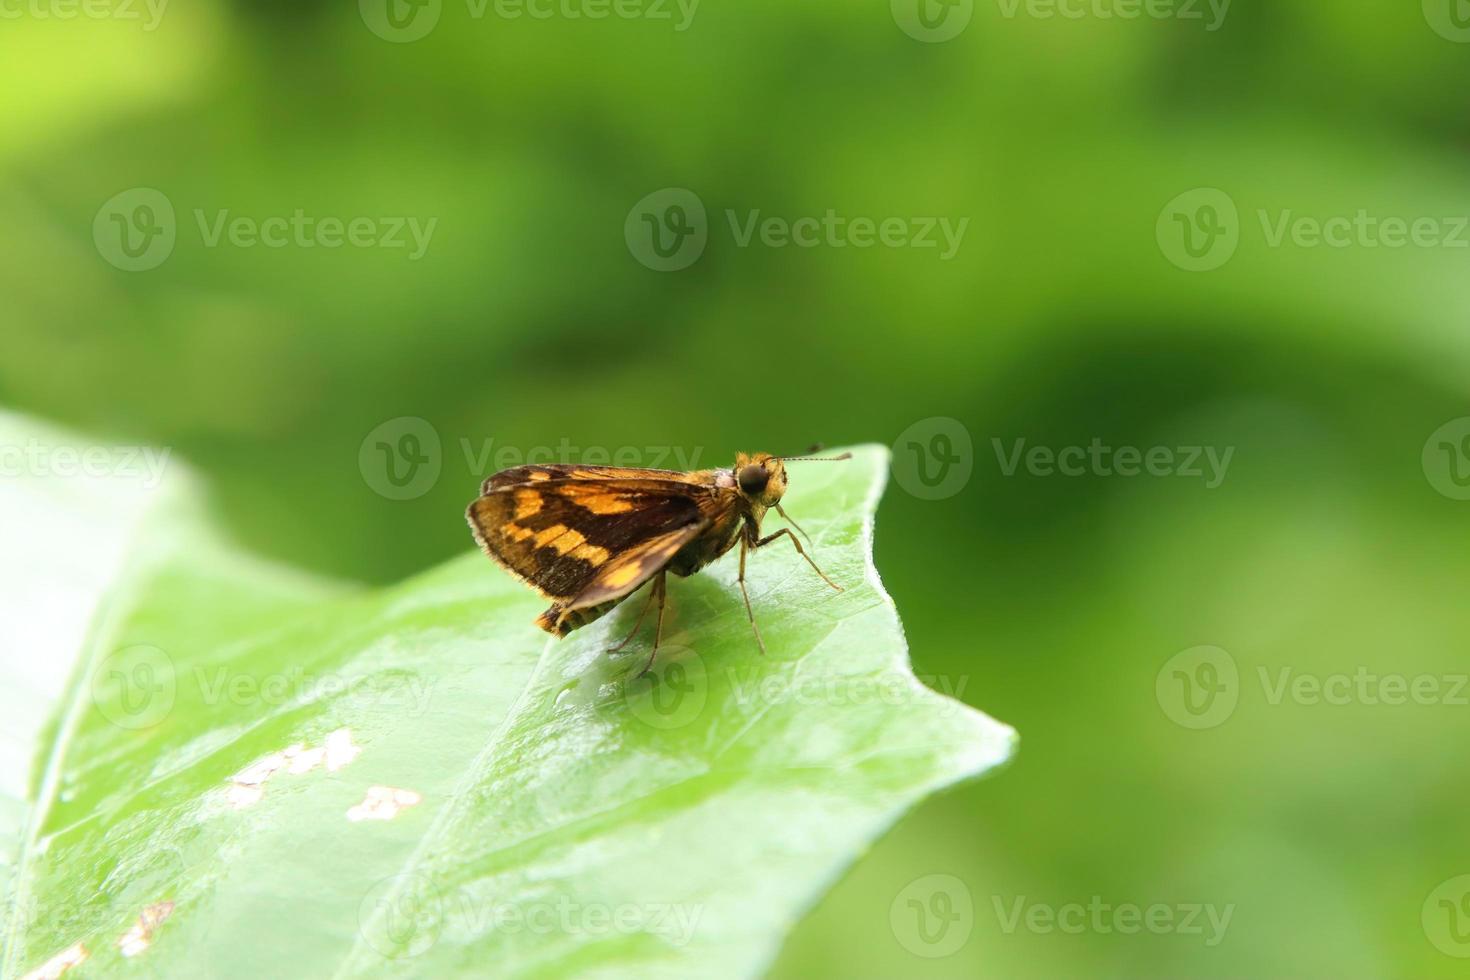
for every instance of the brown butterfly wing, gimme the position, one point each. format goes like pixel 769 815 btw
pixel 625 572
pixel 561 534
pixel 540 473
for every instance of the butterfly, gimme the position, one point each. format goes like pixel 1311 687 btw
pixel 586 537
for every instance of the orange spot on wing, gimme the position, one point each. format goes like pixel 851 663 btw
pixel 528 502
pixel 549 535
pixel 605 503
pixel 568 541
pixel 620 577
pixel 590 553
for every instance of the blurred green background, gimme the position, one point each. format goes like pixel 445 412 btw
pixel 1333 546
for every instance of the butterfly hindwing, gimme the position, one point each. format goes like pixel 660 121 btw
pixel 616 580
pixel 625 572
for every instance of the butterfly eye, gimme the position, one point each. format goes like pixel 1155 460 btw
pixel 752 478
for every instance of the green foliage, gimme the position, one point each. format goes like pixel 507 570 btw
pixel 218 734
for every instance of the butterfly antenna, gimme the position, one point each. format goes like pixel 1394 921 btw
pixel 814 459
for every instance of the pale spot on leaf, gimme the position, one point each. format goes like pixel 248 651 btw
pixel 59 964
pixel 240 796
pixel 258 772
pixel 247 786
pixel 304 760
pixel 383 803
pixel 340 750
pixel 140 936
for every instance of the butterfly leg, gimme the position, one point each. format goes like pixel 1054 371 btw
pixel 658 629
pixel 744 546
pixel 653 588
pixel 799 550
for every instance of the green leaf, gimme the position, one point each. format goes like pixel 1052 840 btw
pixel 222 732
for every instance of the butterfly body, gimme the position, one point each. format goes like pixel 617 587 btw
pixel 586 537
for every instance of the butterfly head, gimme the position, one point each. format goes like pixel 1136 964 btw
pixel 760 477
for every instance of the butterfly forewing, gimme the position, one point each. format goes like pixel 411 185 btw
pixel 541 473
pixel 574 533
